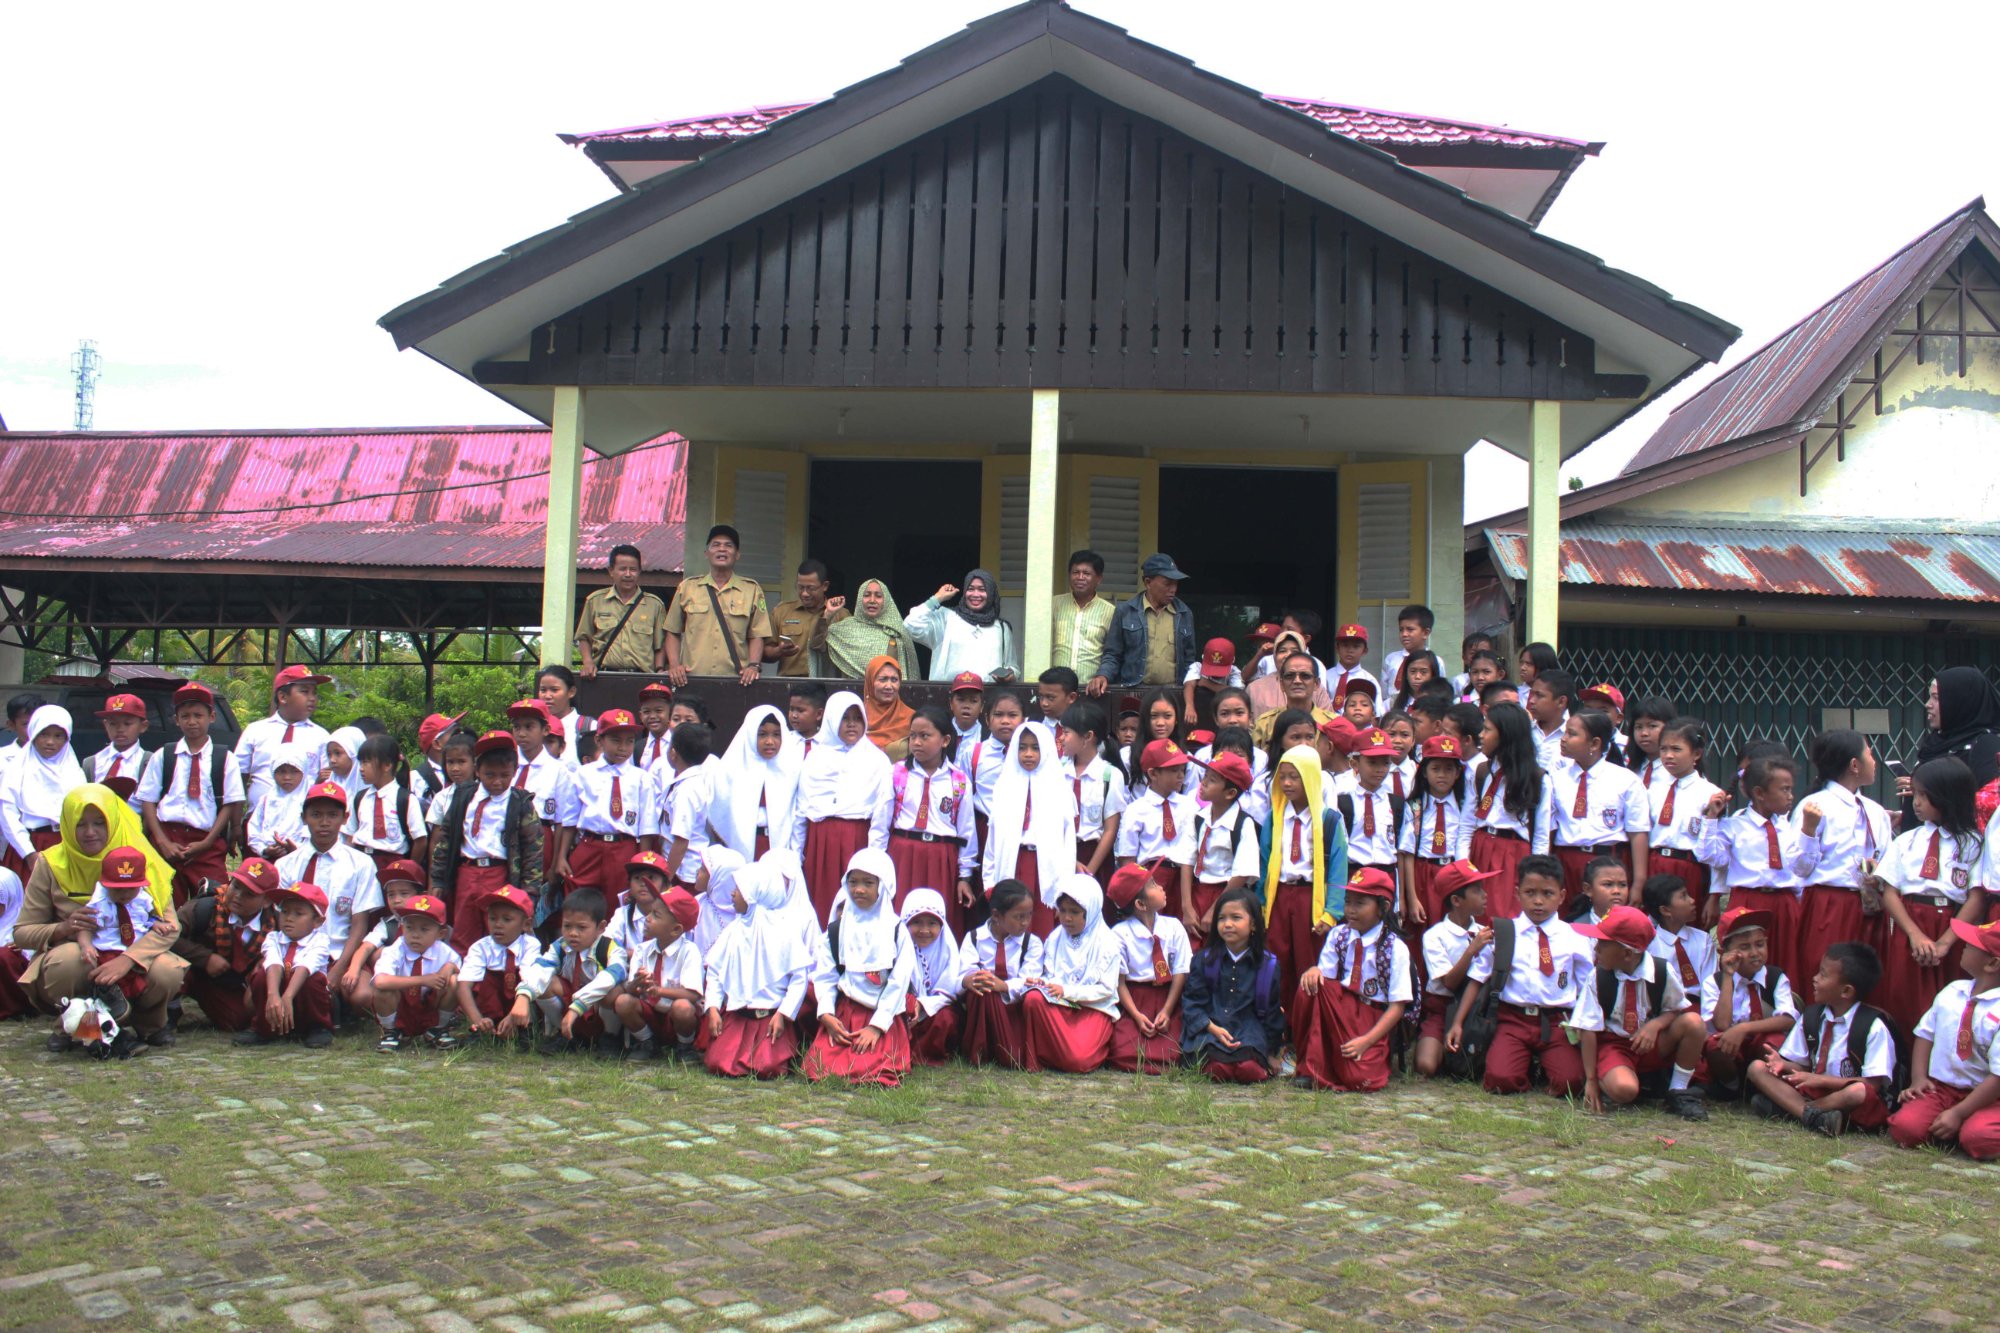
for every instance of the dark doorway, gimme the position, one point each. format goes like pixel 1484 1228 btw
pixel 1255 542
pixel 914 525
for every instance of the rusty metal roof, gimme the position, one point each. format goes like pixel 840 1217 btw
pixel 458 497
pixel 1785 386
pixel 1910 566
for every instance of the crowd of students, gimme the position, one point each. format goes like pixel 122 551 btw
pixel 1519 880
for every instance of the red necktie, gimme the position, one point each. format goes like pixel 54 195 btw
pixel 479 815
pixel 1076 785
pixel 1368 815
pixel 288 741
pixel 1396 782
pixel 1354 970
pixel 1027 810
pixel 1771 843
pixel 1931 858
pixel 1582 806
pixel 381 819
pixel 1825 1045
pixel 924 809
pixel 1340 690
pixel 1964 1025
pixel 1646 775
pixel 416 965
pixel 510 974
pixel 1201 853
pixel 809 747
pixel 1756 1000
pixel 617 799
pixel 656 750
pixel 1298 837
pixel 1485 806
pixel 1437 830
pixel 1160 974
pixel 291 952
pixel 1667 806
pixel 1685 963
pixel 1631 1009
pixel 1166 819
pixel 1867 831
pixel 310 877
pixel 999 958
pixel 117 762
pixel 1548 960
pixel 126 936
pixel 194 777
pixel 521 779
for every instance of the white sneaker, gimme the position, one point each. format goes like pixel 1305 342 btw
pixel 1287 1063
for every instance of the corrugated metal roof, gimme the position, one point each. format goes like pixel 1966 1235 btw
pixel 1912 566
pixel 1789 381
pixel 463 496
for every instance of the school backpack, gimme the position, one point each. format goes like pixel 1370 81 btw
pixel 1262 990
pixel 1397 805
pixel 833 945
pixel 171 753
pixel 1478 1025
pixel 1866 1016
pixel 1607 993
pixel 899 780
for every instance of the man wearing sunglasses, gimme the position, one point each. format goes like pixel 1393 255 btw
pixel 1299 676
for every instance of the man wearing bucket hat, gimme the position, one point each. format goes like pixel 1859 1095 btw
pixel 1151 638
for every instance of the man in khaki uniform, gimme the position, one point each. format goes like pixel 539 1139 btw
pixel 621 628
pixel 800 645
pixel 699 646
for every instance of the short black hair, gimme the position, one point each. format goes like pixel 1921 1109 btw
pixel 370 726
pixel 1467 718
pixel 1062 676
pixel 1420 613
pixel 816 569
pixel 1432 705
pixel 1559 683
pixel 810 690
pixel 380 749
pixel 1499 691
pixel 1308 622
pixel 695 704
pixel 589 901
pixel 24 703
pixel 458 738
pixel 624 548
pixel 692 742
pixel 724 530
pixel 1005 895
pixel 1474 639
pixel 1538 863
pixel 1757 774
pixel 1659 890
pixel 1860 966
pixel 1086 557
pixel 513 759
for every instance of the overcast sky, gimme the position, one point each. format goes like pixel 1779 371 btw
pixel 227 197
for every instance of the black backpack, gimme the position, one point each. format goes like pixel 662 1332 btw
pixel 1477 1025
pixel 1866 1016
pixel 1345 803
pixel 216 768
pixel 1607 994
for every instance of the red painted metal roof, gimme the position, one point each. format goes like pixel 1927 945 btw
pixel 443 497
pixel 1787 385
pixel 714 128
pixel 1810 562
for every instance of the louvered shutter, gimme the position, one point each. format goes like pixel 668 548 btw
pixel 1114 528
pixel 1113 507
pixel 762 501
pixel 1013 570
pixel 1382 547
pixel 1384 542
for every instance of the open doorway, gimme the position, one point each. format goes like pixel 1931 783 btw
pixel 1223 526
pixel 914 525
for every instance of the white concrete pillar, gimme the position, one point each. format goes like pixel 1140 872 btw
pixel 1039 614
pixel 565 506
pixel 1544 520
pixel 1444 567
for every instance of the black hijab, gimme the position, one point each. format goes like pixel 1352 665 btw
pixel 1968 723
pixel 987 614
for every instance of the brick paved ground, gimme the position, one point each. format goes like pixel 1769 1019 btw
pixel 283 1189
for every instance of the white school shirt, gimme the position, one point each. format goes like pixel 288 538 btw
pixel 982 764
pixel 1498 818
pixel 1852 829
pixel 347 876
pixel 1259 762
pixel 1423 823
pixel 1097 793
pixel 555 795
pixel 1338 678
pixel 1903 868
pixel 1548 744
pixel 1614 805
pixel 112 762
pixel 1691 797
pixel 638 799
pixel 1945 1020
pixel 1699 946
pixel 400 960
pixel 1142 828
pixel 139 911
pixel 628 926
pixel 1738 848
pixel 1378 849
pixel 1294 829
pixel 569 724
pixel 257 749
pixel 1878 1057
pixel 1024 957
pixel 652 751
pixel 1225 848
pixel 176 806
pixel 1524 984
pixel 881 993
pixel 1588 1016
pixel 590 984
pixel 1135 945
pixel 1783 1003
pixel 677 964
pixel 276 818
pixel 314 952
pixel 489 955
pixel 1336 956
pixel 1194 673
pixel 684 814
pixel 1444 944
pixel 486 841
pixel 948 795
pixel 394 801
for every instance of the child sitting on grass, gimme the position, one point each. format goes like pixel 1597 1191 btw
pixel 1748 1004
pixel 414 978
pixel 1232 1023
pixel 756 981
pixel 935 985
pixel 489 981
pixel 861 975
pixel 1153 965
pixel 571 982
pixel 1834 1065
pixel 660 1005
pixel 1955 1083
pixel 1635 1018
pixel 289 996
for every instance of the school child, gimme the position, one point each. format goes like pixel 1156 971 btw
pixel 755 981
pixel 288 993
pixel 1605 886
pixel 1927 881
pixel 1056 692
pixel 1761 860
pixel 844 800
pixel 932 1010
pixel 1350 645
pixel 1463 722
pixel 1482 668
pixel 1533 661
pixel 1225 843
pixel 1071 999
pixel 1371 814
pixel 1449 948
pixel 1430 833
pixel 1546 963
pixel 489 980
pixel 1401 730
pixel 1334 739
pixel 570 730
pixel 1595 808
pixel 1359 706
pixel 294 698
pixel 1232 710
pixel 1126 725
pixel 14 1000
pixel 1097 786
pixel 1153 961
pixel 1635 1019
pixel 1214 670
pixel 656 714
pixel 1609 700
pixel 189 795
pixel 984 758
pixel 343 746
pixel 347 879
pixel 1411 674
pixel 1679 796
pixel 277 822
pixel 222 938
pixel 646 880
pixel 660 1003
pixel 1302 852
pixel 1157 826
pixel 1472 647
pixel 715 890
pixel 125 911
pixel 967 705
pixel 1352 999
pixel 1840 901
pixel 571 981
pixel 489 837
pixel 1549 701
pixel 386 820
pixel 682 781
pixel 1232 1021
pixel 456 753
pixel 547 781
pixel 1413 633
pixel 689 707
pixel 1032 833
pixel 1162 722
pixel 427 776
pixel 1955 1062
pixel 863 965
pixel 1748 1005
pixel 931 836
pixel 31 794
pixel 1687 950
pixel 414 979
pixel 122 759
pixel 1508 820
pixel 1649 719
pixel 754 789
pixel 1837 1062
pixel 995 963
pixel 617 806
pixel 400 881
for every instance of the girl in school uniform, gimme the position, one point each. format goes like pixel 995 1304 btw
pixel 1153 962
pixel 984 756
pixel 1508 819
pixel 555 686
pixel 1430 832
pixel 842 803
pixel 277 823
pixel 1762 861
pixel 863 965
pixel 752 805
pixel 1678 795
pixel 1032 835
pixel 931 839
pixel 31 794
pixel 1853 836
pixel 1534 660
pixel 755 982
pixel 1225 842
pixel 1071 1000
pixel 715 891
pixel 1595 808
pixel 936 983
pixel 1411 674
pixel 343 760
pixel 994 966
pixel 1096 785
pixel 1159 720
pixel 1648 719
pixel 1347 1005
pixel 1927 881
pixel 1232 1021
pixel 1303 852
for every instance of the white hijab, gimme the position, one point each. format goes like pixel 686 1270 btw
pixel 349 739
pixel 718 908
pixel 762 948
pixel 42 783
pixel 1052 811
pixel 868 939
pixel 1075 959
pixel 842 781
pixel 290 805
pixel 939 964
pixel 743 778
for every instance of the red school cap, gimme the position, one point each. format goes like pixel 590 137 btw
pixel 492 742
pixel 1443 747
pixel 194 692
pixel 1450 879
pixel 1369 882
pixel 1161 753
pixel 656 689
pixel 298 675
pixel 123 868
pixel 124 705
pixel 402 870
pixel 1361 685
pixel 1984 938
pixel 425 905
pixel 434 726
pixel 1738 919
pixel 256 875
pixel 1609 694
pixel 312 895
pixel 1351 632
pixel 1218 656
pixel 510 897
pixel 1341 733
pixel 533 708
pixel 651 861
pixel 1375 744
pixel 617 719
pixel 327 791
pixel 1127 883
pixel 1621 925
pixel 968 680
pixel 1232 769
pixel 683 905
pixel 1267 632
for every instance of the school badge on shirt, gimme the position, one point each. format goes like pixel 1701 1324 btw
pixel 1960 877
pixel 632 816
pixel 1610 818
pixel 549 808
pixel 1370 987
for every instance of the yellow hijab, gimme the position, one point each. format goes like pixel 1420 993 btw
pixel 1304 759
pixel 76 874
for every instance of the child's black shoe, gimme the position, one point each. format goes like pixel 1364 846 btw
pixel 252 1037
pixel 555 1045
pixel 392 1040
pixel 1687 1103
pixel 318 1039
pixel 125 1045
pixel 1765 1107
pixel 113 1000
pixel 607 1046
pixel 164 1038
pixel 441 1038
pixel 1822 1121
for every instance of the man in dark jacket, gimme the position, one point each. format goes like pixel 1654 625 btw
pixel 1151 639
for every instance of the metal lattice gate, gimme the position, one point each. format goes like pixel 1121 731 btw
pixel 1760 685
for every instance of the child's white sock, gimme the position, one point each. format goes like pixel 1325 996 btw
pixel 1682 1077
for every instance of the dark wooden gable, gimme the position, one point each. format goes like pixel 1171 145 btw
pixel 1055 239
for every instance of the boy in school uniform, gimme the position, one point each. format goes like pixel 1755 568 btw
pixel 660 1003
pixel 572 980
pixel 387 819
pixel 348 883
pixel 1954 1092
pixel 656 714
pixel 1834 1066
pixel 414 979
pixel 124 720
pixel 1216 670
pixel 966 701
pixel 427 775
pixel 1156 828
pixel 489 838
pixel 1413 630
pixel 1748 1004
pixel 544 775
pixel 1225 843
pixel 489 980
pixel 294 697
pixel 1371 812
pixel 400 881
pixel 222 938
pixel 684 799
pixel 1549 963
pixel 1350 645
pixel 125 912
pixel 190 795
pixel 617 807
pixel 289 995
pixel 1635 1019
pixel 1450 947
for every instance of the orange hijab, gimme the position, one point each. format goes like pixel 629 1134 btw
pixel 887 725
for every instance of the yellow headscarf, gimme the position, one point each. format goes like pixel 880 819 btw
pixel 1305 759
pixel 76 874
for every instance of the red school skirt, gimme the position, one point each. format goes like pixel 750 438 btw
pixel 882 1065
pixel 1027 864
pixel 1784 955
pixel 744 1048
pixel 1667 861
pixel 1574 859
pixel 1329 1020
pixel 13 999
pixel 597 862
pixel 830 845
pixel 1908 987
pixel 1064 1037
pixel 1087 848
pixel 928 864
pixel 1423 887
pixel 1290 936
pixel 1132 1053
pixel 1501 854
pixel 994 1032
pixel 932 1036
pixel 1829 915
pixel 40 839
pixel 473 886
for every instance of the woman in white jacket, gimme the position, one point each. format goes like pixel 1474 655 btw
pixel 970 636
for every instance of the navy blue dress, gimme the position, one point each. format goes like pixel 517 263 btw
pixel 1224 990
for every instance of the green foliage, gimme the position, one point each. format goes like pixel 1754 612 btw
pixel 391 691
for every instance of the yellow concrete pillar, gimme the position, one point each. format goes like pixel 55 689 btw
pixel 565 503
pixel 1544 520
pixel 1038 614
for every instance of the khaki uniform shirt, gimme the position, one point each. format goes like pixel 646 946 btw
pixel 808 630
pixel 1078 642
pixel 705 644
pixel 1160 629
pixel 637 645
